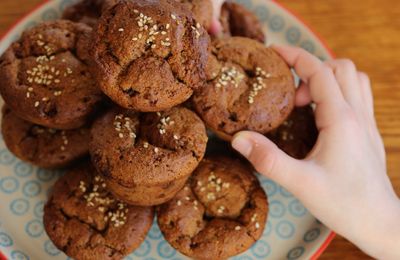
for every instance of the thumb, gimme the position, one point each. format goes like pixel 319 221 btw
pixel 270 161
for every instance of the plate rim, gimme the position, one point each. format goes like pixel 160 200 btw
pixel 321 40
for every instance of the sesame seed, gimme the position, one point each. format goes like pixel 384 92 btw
pixel 179 203
pixel 176 137
pixel 146 145
pixel 121 29
pixel 186 188
pixel 202 189
pixel 257 225
pixel 37 103
pixel 237 228
pixel 199 183
pixel 173 16
pixel 135 39
pixel 210 196
pixel 121 135
pixel 254 217
pixel 156 150
pixel 187 198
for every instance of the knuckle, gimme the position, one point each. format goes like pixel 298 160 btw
pixel 351 122
pixel 363 76
pixel 326 70
pixel 347 64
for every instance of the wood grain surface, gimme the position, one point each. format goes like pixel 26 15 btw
pixel 366 31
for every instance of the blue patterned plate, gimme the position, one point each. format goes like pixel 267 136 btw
pixel 291 232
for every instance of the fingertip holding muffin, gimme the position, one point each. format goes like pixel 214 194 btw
pixel 146 158
pixel 221 212
pixel 153 63
pixel 85 221
pixel 41 146
pixel 249 87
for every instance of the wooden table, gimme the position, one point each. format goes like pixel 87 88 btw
pixel 366 31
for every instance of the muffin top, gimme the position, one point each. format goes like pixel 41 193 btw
pixel 149 55
pixel 298 134
pixel 221 211
pixel 133 148
pixel 87 11
pixel 85 221
pixel 45 77
pixel 41 146
pixel 236 20
pixel 202 10
pixel 250 87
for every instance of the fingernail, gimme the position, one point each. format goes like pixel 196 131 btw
pixel 243 145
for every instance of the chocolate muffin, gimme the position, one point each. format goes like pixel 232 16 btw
pixel 298 134
pixel 149 55
pixel 250 87
pixel 202 10
pixel 41 146
pixel 86 222
pixel 221 212
pixel 87 11
pixel 146 159
pixel 236 20
pixel 44 76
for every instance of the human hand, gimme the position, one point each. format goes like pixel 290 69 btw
pixel 216 25
pixel 343 181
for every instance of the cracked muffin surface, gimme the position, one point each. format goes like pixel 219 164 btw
pixel 146 158
pixel 249 87
pixel 87 11
pixel 85 221
pixel 298 134
pixel 220 212
pixel 202 10
pixel 45 78
pixel 236 20
pixel 42 146
pixel 149 55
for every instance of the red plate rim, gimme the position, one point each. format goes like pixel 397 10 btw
pixel 332 234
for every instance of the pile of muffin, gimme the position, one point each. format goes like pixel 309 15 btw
pixel 121 92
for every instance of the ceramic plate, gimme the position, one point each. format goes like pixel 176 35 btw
pixel 291 232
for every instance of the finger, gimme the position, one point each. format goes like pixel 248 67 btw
pixel 366 90
pixel 324 89
pixel 303 96
pixel 216 27
pixel 346 75
pixel 272 162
